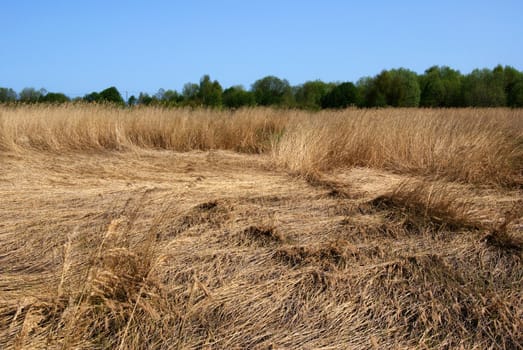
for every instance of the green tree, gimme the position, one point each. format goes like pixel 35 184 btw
pixel 210 92
pixel 30 95
pixel 394 88
pixel 7 95
pixel 382 87
pixel 132 101
pixel 159 94
pixel 404 90
pixel 190 94
pixel 54 97
pixel 165 98
pixel 341 96
pixel 484 88
pixel 272 91
pixel 144 99
pixel 513 85
pixel 92 97
pixel 370 94
pixel 440 87
pixel 237 96
pixel 516 94
pixel 111 95
pixel 310 94
pixel 171 98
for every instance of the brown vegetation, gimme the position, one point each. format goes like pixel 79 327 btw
pixel 468 145
pixel 403 229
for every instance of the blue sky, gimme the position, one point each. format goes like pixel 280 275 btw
pixel 81 46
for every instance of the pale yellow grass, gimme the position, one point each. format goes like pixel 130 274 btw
pixel 468 145
pixel 154 249
pixel 112 238
pixel 89 127
pixel 477 146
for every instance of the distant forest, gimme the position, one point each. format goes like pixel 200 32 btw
pixel 438 86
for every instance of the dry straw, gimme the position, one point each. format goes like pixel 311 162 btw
pixel 468 145
pixel 107 243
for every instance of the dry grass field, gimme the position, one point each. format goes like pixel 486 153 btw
pixel 260 229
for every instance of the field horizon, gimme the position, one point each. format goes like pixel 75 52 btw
pixel 260 228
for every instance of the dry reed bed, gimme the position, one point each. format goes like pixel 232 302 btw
pixel 469 145
pixel 476 146
pixel 144 249
pixel 97 128
pixel 218 275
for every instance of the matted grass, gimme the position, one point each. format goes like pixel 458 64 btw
pixel 178 229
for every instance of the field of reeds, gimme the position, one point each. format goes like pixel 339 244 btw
pixel 149 228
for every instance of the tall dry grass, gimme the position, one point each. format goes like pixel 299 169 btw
pixel 472 145
pixel 232 257
pixel 468 145
pixel 97 127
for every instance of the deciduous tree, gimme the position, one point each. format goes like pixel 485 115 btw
pixel 272 91
pixel 237 96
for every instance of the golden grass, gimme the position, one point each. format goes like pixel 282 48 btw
pixel 90 127
pixel 112 240
pixel 468 145
pixel 477 146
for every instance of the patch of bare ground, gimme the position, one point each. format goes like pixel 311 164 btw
pixel 214 250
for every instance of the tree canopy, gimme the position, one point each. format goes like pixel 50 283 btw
pixel 341 96
pixel 438 86
pixel 311 94
pixel 7 95
pixel 272 91
pixel 237 96
pixel 55 97
pixel 109 95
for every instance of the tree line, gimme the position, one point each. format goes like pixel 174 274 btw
pixel 438 86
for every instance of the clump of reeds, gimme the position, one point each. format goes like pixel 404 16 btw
pixel 476 146
pixel 98 128
pixel 505 235
pixel 420 204
pixel 468 145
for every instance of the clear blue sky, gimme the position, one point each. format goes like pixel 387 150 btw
pixel 79 46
